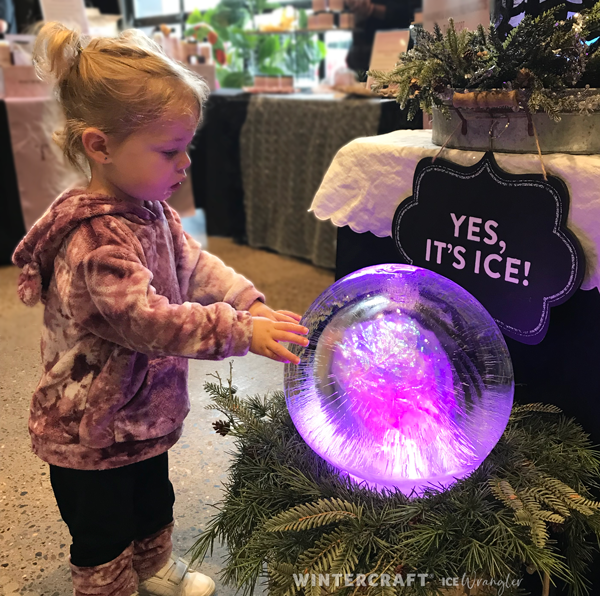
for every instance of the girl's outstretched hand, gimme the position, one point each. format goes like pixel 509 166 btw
pixel 266 335
pixel 260 309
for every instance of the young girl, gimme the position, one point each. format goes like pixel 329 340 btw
pixel 128 297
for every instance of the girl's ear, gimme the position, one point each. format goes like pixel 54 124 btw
pixel 95 144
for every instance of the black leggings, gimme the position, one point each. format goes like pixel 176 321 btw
pixel 106 510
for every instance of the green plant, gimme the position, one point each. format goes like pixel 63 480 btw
pixel 249 53
pixel 286 511
pixel 539 57
pixel 302 52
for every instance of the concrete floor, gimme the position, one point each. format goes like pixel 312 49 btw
pixel 34 542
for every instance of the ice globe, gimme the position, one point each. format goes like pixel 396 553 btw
pixel 406 382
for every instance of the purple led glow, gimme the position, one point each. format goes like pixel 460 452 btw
pixel 394 376
pixel 406 381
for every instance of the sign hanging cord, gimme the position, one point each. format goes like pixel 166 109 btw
pixel 446 142
pixel 537 142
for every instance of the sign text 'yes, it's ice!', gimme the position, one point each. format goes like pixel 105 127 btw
pixel 501 236
pixel 494 265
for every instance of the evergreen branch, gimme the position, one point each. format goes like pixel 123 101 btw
pixel 313 515
pixel 535 407
pixel 286 508
pixel 281 578
pixel 550 500
pixel 299 482
pixel 539 56
pixel 506 493
pixel 569 497
pixel 346 559
pixel 320 557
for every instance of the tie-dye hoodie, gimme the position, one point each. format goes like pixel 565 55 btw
pixel 128 297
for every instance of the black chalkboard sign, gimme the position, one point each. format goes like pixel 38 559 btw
pixel 501 236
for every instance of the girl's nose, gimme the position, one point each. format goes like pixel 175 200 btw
pixel 185 162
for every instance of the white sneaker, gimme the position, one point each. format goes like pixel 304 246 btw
pixel 174 579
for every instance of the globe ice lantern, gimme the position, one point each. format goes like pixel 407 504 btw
pixel 406 382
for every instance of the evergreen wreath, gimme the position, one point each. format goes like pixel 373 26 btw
pixel 286 511
pixel 539 59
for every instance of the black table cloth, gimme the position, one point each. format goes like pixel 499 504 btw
pixel 216 166
pixel 12 226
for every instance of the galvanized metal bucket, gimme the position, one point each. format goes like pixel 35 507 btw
pixel 507 131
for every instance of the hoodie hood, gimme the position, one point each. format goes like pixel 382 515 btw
pixel 36 252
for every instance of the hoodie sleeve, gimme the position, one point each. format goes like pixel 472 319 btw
pixel 111 295
pixel 203 277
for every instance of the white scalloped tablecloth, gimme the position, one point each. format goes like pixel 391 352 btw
pixel 371 176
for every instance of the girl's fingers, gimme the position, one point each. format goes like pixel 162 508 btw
pixel 270 354
pixel 284 318
pixel 284 354
pixel 293 338
pixel 289 313
pixel 291 327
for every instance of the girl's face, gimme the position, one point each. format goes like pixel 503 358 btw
pixel 150 164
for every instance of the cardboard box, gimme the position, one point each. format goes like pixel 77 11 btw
pixel 207 72
pixel 21 81
pixel 467 14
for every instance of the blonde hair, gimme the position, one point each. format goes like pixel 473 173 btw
pixel 117 85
